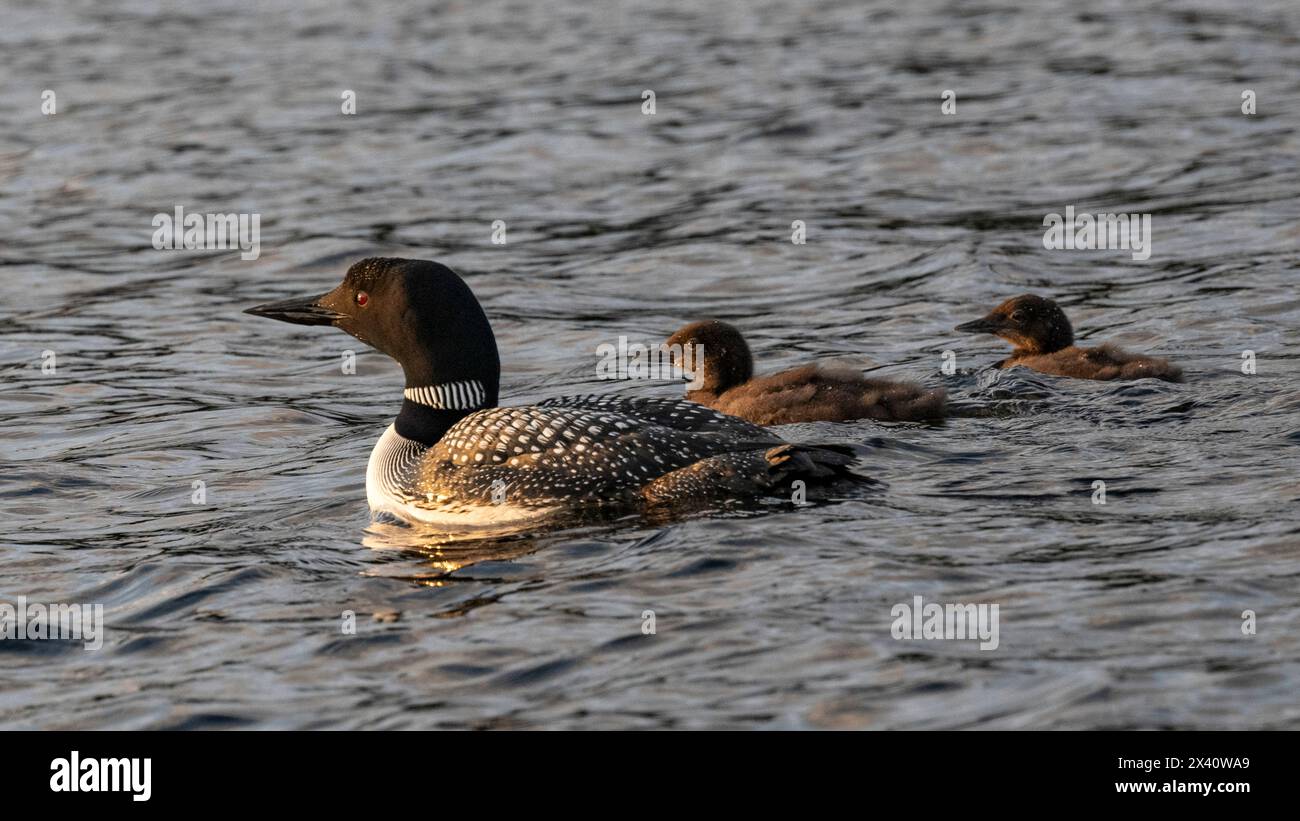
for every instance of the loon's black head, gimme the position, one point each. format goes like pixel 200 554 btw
pixel 418 312
pixel 726 357
pixel 1033 324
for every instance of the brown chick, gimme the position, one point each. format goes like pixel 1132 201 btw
pixel 804 394
pixel 1044 341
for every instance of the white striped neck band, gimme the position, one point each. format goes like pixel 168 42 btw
pixel 464 395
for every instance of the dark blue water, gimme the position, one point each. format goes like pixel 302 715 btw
pixel 229 613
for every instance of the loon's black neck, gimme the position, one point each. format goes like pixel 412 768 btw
pixel 426 425
pixel 430 410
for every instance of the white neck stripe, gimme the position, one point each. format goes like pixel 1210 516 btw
pixel 463 395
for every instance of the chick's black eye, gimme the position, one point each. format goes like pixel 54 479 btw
pixel 1016 316
pixel 362 298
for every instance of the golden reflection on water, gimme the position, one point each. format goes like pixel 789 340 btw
pixel 441 553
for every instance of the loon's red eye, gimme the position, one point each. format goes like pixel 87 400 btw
pixel 362 298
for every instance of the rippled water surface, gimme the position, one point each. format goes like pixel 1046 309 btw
pixel 228 613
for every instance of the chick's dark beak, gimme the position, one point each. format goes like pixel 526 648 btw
pixel 299 311
pixel 987 325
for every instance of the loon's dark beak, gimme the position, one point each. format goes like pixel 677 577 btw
pixel 299 311
pixel 986 325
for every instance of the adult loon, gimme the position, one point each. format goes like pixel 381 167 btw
pixel 808 393
pixel 453 457
pixel 1044 341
